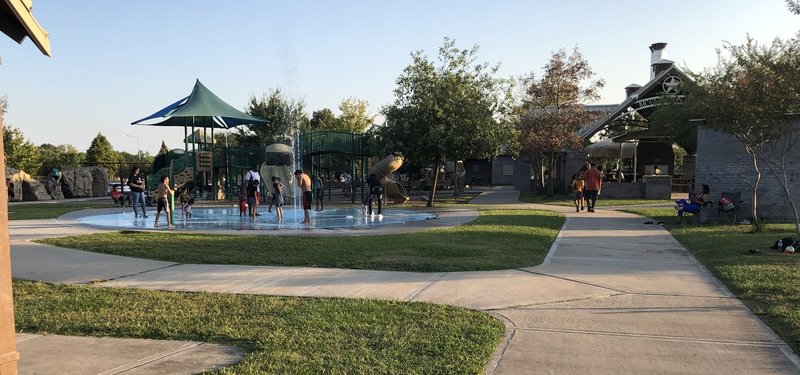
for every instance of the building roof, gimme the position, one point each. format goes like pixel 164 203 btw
pixel 643 100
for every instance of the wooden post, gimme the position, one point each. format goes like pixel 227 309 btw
pixel 8 340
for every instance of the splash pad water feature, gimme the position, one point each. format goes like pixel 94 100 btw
pixel 228 219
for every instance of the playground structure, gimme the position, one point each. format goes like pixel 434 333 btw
pixel 217 172
pixel 391 189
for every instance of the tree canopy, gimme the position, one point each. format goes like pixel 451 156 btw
pixel 553 106
pixel 20 152
pixel 102 152
pixel 354 117
pixel 283 116
pixel 452 110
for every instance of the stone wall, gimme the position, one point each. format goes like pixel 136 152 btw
pixel 84 182
pixel 723 164
pixel 657 187
pixel 622 190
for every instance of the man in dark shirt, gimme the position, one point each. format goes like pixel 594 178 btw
pixel 375 192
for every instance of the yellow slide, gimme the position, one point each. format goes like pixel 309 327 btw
pixel 391 188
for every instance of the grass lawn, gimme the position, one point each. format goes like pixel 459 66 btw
pixel 28 211
pixel 498 239
pixel 567 200
pixel 768 283
pixel 284 335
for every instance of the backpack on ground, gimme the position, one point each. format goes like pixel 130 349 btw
pixel 726 204
pixel 782 243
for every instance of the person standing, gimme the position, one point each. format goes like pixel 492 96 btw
pixel 253 182
pixel 375 192
pixel 305 186
pixel 136 183
pixel 593 180
pixel 163 192
pixel 277 196
pixel 10 188
pixel 318 194
pixel 577 188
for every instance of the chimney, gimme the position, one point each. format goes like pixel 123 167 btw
pixel 631 89
pixel 656 54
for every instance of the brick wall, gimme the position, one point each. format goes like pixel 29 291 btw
pixel 724 165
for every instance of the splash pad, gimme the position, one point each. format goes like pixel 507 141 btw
pixel 228 219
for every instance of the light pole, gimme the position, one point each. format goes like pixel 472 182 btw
pixel 138 149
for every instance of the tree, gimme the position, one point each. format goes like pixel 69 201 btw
pixel 354 117
pixel 753 95
pixel 794 6
pixel 323 119
pixel 553 108
pixel 451 111
pixel 283 117
pixel 20 152
pixel 61 157
pixel 101 152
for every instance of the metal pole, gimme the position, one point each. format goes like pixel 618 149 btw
pixel 138 148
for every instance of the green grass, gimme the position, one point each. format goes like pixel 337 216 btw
pixel 284 335
pixel 498 239
pixel 767 282
pixel 567 200
pixel 50 210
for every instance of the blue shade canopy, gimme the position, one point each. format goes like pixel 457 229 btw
pixel 202 109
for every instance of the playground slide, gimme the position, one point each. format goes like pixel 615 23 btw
pixel 282 155
pixel 391 188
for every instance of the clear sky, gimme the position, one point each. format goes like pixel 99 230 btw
pixel 115 62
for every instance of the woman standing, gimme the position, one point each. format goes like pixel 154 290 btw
pixel 136 183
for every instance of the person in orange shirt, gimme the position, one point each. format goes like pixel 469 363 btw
pixel 593 179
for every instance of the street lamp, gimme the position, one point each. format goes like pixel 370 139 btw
pixel 138 149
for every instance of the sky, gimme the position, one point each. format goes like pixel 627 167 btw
pixel 115 62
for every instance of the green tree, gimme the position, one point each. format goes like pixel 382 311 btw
pixel 354 117
pixel 323 119
pixel 553 108
pixel 61 157
pixel 451 111
pixel 101 152
pixel 753 95
pixel 794 6
pixel 20 152
pixel 283 116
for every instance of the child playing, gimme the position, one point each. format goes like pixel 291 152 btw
pixel 163 191
pixel 187 209
pixel 277 196
pixel 242 204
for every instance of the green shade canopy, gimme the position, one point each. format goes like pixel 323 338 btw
pixel 201 109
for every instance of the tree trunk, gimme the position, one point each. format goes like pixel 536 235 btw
pixel 550 173
pixel 754 212
pixel 435 182
pixel 785 185
pixel 455 180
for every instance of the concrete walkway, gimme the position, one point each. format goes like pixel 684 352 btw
pixel 613 296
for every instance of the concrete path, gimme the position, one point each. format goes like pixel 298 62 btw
pixel 613 296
